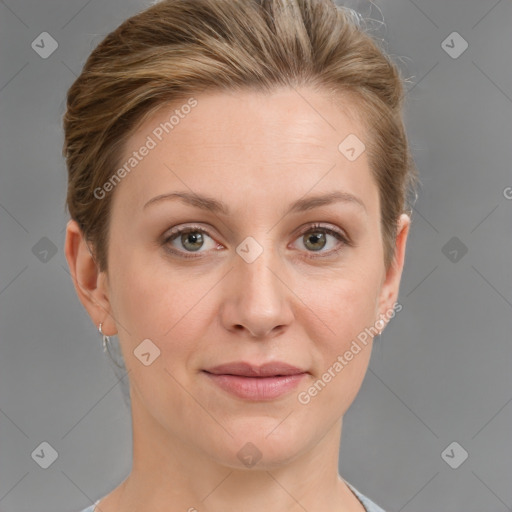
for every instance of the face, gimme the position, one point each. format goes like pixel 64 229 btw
pixel 269 253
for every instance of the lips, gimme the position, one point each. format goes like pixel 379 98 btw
pixel 242 369
pixel 256 383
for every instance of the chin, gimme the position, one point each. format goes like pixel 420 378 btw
pixel 252 456
pixel 260 443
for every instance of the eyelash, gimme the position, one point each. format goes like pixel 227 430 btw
pixel 315 228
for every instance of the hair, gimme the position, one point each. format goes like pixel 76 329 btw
pixel 177 48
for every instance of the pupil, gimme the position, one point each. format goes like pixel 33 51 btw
pixel 195 238
pixel 316 238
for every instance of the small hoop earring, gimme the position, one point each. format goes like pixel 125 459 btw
pixel 106 339
pixel 106 344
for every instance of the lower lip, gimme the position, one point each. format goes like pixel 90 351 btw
pixel 257 388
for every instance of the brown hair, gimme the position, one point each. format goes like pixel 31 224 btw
pixel 177 48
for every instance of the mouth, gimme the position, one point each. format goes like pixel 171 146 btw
pixel 257 383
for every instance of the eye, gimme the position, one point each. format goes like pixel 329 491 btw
pixel 318 237
pixel 189 239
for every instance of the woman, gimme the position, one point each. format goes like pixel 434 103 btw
pixel 238 174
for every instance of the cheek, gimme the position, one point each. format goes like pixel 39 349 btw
pixel 154 300
pixel 163 304
pixel 150 296
pixel 344 311
pixel 346 306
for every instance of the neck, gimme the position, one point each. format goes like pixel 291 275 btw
pixel 168 472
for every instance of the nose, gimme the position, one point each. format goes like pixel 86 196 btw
pixel 257 301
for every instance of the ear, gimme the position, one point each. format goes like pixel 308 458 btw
pixel 391 283
pixel 91 285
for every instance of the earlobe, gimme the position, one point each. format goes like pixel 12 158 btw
pixel 89 282
pixel 391 283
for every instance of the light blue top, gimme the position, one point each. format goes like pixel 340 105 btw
pixel 368 504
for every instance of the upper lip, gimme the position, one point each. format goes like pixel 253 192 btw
pixel 244 369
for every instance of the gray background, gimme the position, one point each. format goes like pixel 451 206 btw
pixel 441 371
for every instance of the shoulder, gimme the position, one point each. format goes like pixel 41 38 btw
pixel 91 508
pixel 368 504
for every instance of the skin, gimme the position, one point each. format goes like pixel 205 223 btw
pixel 257 153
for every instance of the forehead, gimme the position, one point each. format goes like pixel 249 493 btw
pixel 261 145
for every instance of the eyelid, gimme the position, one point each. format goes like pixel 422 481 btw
pixel 184 228
pixel 325 227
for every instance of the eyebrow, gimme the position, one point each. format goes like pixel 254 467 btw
pixel 213 205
